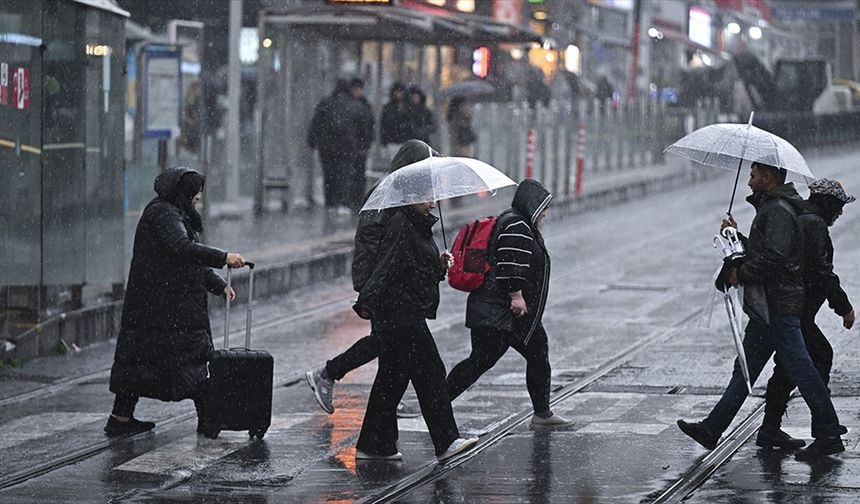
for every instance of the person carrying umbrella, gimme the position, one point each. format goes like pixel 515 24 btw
pixel 824 206
pixel 506 310
pixel 399 297
pixel 773 299
pixel 368 235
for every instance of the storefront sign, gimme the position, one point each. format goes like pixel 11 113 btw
pixel 21 88
pixel 4 84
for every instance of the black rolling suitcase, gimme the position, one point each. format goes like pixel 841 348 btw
pixel 239 392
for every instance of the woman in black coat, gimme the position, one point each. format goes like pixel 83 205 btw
pixel 401 294
pixel 506 310
pixel 165 339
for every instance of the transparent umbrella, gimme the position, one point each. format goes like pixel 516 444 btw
pixel 728 145
pixel 435 179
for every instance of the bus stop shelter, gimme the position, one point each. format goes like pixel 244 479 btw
pixel 305 50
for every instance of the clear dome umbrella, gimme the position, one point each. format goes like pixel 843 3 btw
pixel 435 179
pixel 729 145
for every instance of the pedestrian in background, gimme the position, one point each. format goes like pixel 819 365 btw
pixel 824 206
pixel 336 131
pixel 773 299
pixel 399 297
pixel 366 126
pixel 506 310
pixel 164 339
pixel 460 125
pixel 365 256
pixel 396 120
pixel 423 122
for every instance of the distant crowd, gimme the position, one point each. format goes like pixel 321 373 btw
pixel 343 128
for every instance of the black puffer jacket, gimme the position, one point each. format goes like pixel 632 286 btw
pixel 371 223
pixel 818 276
pixel 772 273
pixel 165 338
pixel 404 287
pixel 520 261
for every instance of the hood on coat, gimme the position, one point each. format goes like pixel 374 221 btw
pixel 397 86
pixel 341 87
pixel 786 192
pixel 410 152
pixel 167 186
pixel 415 90
pixel 531 199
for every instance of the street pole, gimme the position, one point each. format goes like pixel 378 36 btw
pixel 634 53
pixel 231 179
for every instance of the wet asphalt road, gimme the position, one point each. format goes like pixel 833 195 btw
pixel 629 356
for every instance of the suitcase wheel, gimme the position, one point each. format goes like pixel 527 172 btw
pixel 257 433
pixel 212 434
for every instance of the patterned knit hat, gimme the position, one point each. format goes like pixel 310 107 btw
pixel 830 188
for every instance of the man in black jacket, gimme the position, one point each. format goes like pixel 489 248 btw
pixel 826 199
pixel 506 310
pixel 336 131
pixel 774 301
pixel 368 237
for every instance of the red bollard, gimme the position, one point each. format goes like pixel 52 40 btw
pixel 530 152
pixel 580 161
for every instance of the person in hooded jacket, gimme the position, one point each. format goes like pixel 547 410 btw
pixel 338 130
pixel 399 296
pixel 824 206
pixel 165 339
pixel 506 310
pixel 423 122
pixel 774 301
pixel 368 238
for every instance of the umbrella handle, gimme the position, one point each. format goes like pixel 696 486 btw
pixel 442 222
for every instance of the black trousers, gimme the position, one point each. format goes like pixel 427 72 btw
pixel 488 346
pixel 407 354
pixel 337 178
pixel 779 386
pixel 360 353
pixel 358 184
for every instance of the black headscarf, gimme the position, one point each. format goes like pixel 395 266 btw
pixel 179 186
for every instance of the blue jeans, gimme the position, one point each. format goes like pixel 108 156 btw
pixel 783 336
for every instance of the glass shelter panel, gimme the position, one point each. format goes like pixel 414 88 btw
pixel 20 143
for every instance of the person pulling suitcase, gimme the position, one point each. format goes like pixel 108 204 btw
pixel 165 338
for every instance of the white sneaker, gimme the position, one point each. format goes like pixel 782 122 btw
pixel 322 389
pixel 362 455
pixel 554 421
pixel 458 446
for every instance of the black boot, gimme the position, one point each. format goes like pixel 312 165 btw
pixel 699 433
pixel 134 426
pixel 821 447
pixel 774 437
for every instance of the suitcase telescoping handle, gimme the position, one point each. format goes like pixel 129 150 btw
pixel 248 312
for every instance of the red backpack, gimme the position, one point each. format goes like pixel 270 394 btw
pixel 471 255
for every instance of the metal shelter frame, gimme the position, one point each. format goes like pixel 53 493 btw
pixel 359 24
